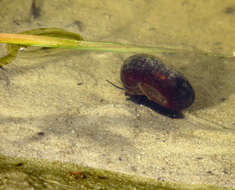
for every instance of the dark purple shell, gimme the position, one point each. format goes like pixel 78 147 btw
pixel 143 74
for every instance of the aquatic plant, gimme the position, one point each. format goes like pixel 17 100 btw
pixel 59 38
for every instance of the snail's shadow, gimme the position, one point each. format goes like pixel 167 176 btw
pixel 143 100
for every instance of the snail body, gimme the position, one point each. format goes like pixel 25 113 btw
pixel 144 74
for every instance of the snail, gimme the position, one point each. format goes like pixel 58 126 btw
pixel 143 74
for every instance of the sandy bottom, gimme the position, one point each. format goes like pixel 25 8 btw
pixel 60 107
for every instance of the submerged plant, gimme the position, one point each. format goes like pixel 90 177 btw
pixel 36 37
pixel 59 38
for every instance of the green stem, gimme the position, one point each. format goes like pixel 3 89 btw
pixel 68 43
pixel 54 42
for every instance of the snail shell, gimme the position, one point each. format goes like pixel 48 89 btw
pixel 144 74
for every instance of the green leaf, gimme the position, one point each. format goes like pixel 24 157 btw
pixel 13 50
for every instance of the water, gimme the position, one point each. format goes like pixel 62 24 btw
pixel 86 120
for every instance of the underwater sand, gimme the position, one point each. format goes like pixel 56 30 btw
pixel 60 107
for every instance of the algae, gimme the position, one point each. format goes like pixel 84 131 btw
pixel 19 173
